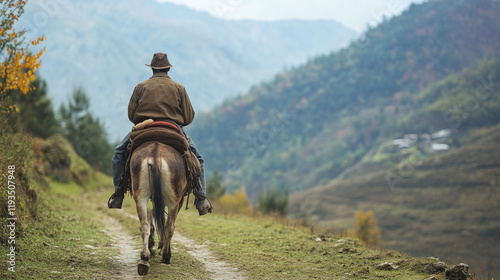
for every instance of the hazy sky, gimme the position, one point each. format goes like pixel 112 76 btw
pixel 355 14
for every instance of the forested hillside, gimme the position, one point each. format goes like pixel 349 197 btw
pixel 334 123
pixel 103 47
pixel 308 125
pixel 430 203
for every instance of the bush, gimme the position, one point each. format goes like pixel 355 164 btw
pixel 237 203
pixel 366 228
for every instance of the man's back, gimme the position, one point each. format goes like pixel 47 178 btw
pixel 160 97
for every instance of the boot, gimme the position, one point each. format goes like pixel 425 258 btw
pixel 202 205
pixel 115 202
pixel 116 199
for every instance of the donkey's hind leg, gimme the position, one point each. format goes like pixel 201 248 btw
pixel 142 213
pixel 151 241
pixel 169 232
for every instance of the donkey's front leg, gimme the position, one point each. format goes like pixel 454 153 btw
pixel 142 213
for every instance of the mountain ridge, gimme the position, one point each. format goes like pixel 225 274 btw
pixel 104 48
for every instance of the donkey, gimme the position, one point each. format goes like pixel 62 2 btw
pixel 158 173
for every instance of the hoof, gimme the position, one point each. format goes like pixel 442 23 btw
pixel 165 260
pixel 143 267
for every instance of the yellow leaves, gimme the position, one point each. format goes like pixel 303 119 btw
pixel 236 203
pixel 19 3
pixel 17 72
pixel 18 65
pixel 12 36
pixel 12 108
pixel 38 40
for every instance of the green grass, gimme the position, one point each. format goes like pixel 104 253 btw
pixel 63 242
pixel 268 249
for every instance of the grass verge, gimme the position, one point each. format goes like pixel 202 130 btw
pixel 267 249
pixel 63 242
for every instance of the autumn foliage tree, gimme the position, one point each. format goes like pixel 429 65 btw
pixel 17 71
pixel 366 228
pixel 17 64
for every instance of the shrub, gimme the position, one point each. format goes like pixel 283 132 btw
pixel 366 228
pixel 237 203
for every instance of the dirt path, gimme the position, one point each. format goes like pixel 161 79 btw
pixel 219 270
pixel 129 255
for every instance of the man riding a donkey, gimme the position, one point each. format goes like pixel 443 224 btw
pixel 159 99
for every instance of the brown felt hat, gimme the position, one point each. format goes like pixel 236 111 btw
pixel 159 61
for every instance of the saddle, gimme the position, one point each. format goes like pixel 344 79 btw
pixel 168 133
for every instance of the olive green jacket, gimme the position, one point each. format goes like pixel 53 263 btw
pixel 160 97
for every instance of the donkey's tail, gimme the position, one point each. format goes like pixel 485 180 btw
pixel 158 203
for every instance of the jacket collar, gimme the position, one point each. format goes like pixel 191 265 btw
pixel 160 74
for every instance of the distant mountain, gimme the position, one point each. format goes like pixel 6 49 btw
pixel 103 46
pixel 311 123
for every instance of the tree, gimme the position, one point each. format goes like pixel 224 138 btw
pixel 85 132
pixel 17 65
pixel 366 228
pixel 36 113
pixel 273 201
pixel 215 188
